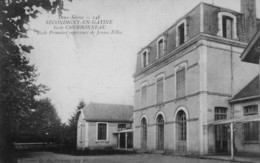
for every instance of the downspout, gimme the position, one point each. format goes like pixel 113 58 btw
pixel 232 78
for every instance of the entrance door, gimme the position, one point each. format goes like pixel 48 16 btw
pixel 122 140
pixel 221 144
pixel 144 134
pixel 182 131
pixel 221 139
pixel 160 132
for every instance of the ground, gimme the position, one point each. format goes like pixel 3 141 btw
pixel 46 157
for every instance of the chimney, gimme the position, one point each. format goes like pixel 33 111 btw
pixel 248 9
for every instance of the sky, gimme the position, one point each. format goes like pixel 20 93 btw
pixel 100 68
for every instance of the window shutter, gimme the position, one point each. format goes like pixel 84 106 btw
pixel 160 91
pixel 143 96
pixel 180 79
pixel 229 28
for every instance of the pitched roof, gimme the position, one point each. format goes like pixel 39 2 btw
pixel 251 53
pixel 250 91
pixel 108 112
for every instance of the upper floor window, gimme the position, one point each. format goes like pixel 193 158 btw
pixel 251 129
pixel 160 89
pixel 161 46
pixel 121 126
pixel 181 32
pixel 101 131
pixel 251 110
pixel 143 95
pixel 180 72
pixel 145 58
pixel 220 113
pixel 227 25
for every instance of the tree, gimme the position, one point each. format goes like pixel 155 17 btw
pixel 70 132
pixel 45 123
pixel 17 76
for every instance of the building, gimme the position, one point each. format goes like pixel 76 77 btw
pixel 105 126
pixel 186 76
pixel 246 105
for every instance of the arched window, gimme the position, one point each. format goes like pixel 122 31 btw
pixel 182 125
pixel 160 132
pixel 143 133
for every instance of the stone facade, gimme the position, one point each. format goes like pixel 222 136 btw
pixel 213 73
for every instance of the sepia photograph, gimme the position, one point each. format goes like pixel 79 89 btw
pixel 129 81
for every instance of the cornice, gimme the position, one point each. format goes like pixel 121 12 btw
pixel 180 51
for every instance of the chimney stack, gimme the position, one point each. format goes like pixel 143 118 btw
pixel 248 9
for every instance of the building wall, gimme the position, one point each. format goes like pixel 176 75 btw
pixel 82 136
pixel 171 104
pixel 214 74
pixel 193 24
pixel 242 145
pixel 208 86
pixel 111 139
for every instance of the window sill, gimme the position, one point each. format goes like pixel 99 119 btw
pixel 251 142
pixel 102 141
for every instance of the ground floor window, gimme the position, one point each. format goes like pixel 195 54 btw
pixel 251 129
pixel 102 131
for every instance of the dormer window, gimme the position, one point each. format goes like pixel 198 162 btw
pixel 227 25
pixel 145 58
pixel 181 32
pixel 161 47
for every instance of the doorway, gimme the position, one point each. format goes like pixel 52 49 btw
pixel 182 131
pixel 160 132
pixel 144 133
pixel 221 144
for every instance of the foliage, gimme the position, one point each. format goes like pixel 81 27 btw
pixel 17 76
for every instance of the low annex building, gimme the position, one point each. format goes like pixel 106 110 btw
pixel 105 125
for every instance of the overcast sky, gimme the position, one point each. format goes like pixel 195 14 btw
pixel 100 68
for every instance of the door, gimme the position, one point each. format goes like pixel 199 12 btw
pixel 144 134
pixel 182 131
pixel 122 140
pixel 221 144
pixel 221 139
pixel 160 132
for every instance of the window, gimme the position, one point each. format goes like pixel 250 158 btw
pixel 81 132
pixel 181 34
pixel 180 82
pixel 102 131
pixel 181 31
pixel 160 89
pixel 227 25
pixel 160 47
pixel 251 129
pixel 145 58
pixel 220 113
pixel 143 96
pixel 121 126
pixel 182 125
